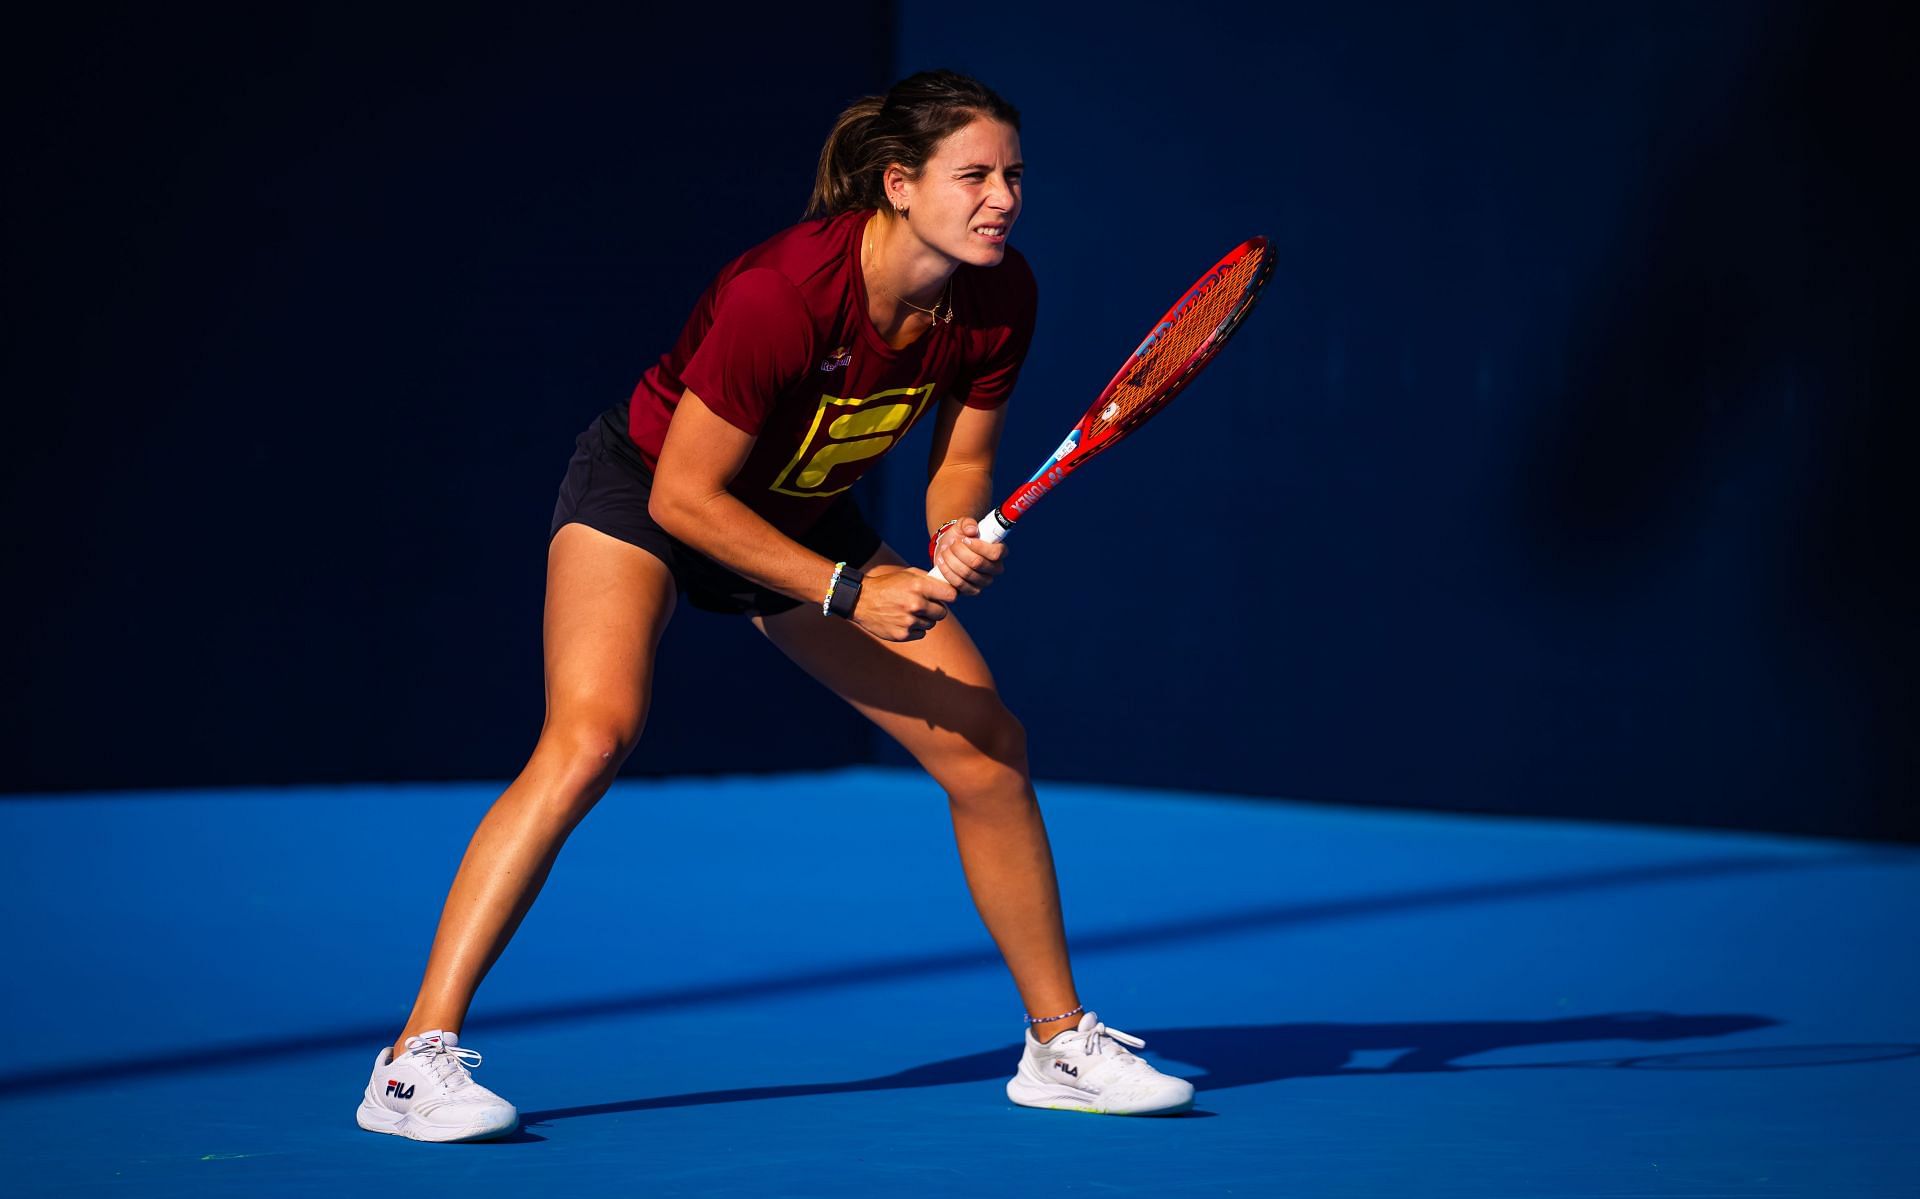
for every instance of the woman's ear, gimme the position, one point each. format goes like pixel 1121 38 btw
pixel 898 185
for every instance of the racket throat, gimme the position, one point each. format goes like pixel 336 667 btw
pixel 1067 447
pixel 1028 493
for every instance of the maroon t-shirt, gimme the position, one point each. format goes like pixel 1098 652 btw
pixel 781 346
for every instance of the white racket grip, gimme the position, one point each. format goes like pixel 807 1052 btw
pixel 992 529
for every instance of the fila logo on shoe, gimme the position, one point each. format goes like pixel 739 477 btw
pixel 397 1091
pixel 1061 1066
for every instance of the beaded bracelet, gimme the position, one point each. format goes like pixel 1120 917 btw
pixel 826 605
pixel 1050 1019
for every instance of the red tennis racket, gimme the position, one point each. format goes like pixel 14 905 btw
pixel 1184 340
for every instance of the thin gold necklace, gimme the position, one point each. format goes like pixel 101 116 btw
pixel 933 313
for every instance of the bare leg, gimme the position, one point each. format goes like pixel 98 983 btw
pixel 607 604
pixel 936 697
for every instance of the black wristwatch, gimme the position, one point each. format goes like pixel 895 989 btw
pixel 846 593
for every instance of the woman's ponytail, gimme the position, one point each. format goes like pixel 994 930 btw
pixel 842 182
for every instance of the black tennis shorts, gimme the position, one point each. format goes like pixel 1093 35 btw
pixel 607 486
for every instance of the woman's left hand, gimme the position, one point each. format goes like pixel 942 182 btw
pixel 966 561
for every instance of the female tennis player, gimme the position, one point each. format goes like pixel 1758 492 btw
pixel 724 479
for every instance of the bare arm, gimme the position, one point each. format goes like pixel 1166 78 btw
pixel 701 455
pixel 960 484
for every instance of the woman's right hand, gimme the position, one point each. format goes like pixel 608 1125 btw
pixel 899 603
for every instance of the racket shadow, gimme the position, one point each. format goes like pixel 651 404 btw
pixel 1221 1058
pixel 869 673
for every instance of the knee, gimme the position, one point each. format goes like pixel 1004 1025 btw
pixel 581 756
pixel 993 762
pixel 591 750
pixel 1006 742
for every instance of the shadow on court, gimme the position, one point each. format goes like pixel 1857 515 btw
pixel 214 1056
pixel 1238 1056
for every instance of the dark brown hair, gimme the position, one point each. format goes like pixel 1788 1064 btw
pixel 902 126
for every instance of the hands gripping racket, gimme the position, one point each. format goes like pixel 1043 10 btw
pixel 1185 340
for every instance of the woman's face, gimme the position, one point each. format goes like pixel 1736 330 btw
pixel 968 195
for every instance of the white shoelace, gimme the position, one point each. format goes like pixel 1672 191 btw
pixel 1096 1038
pixel 444 1063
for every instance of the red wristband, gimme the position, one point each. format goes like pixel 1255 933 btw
pixel 933 542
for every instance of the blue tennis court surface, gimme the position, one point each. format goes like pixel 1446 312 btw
pixel 777 986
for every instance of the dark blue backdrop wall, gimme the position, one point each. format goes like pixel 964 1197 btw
pixel 1561 471
pixel 306 306
pixel 1564 469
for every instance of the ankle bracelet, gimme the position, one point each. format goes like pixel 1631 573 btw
pixel 1032 1020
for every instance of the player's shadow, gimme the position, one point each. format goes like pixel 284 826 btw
pixel 1237 1056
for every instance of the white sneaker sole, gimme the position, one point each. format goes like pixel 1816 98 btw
pixel 1066 1099
pixel 379 1119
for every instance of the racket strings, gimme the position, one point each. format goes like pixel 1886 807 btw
pixel 1174 348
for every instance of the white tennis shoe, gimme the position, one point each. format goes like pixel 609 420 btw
pixel 429 1096
pixel 1090 1069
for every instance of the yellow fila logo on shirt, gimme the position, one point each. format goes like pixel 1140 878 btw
pixel 849 429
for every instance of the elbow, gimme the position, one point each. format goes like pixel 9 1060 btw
pixel 669 511
pixel 682 513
